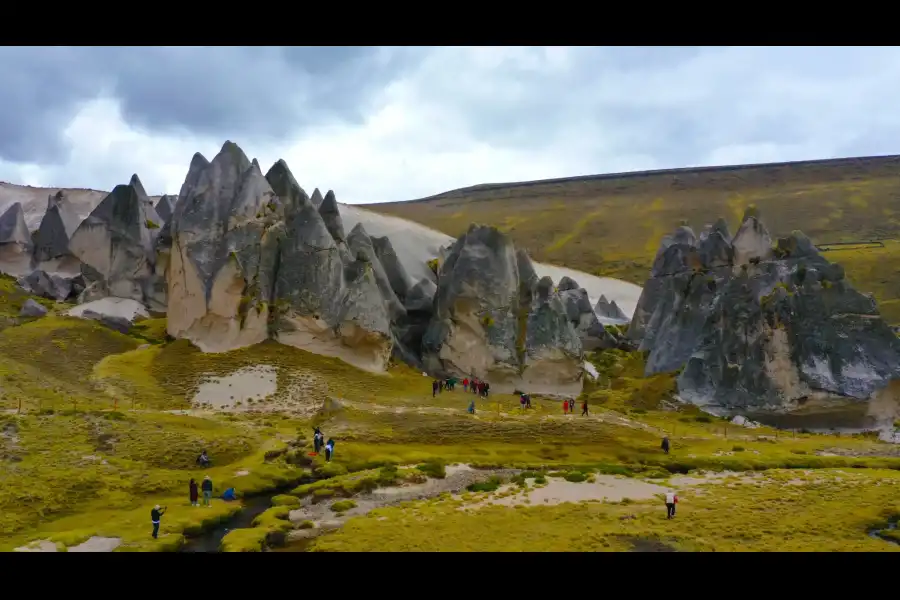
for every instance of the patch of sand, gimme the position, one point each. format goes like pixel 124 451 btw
pixel 559 491
pixel 41 546
pixel 247 383
pixel 97 544
pixel 242 473
pixel 112 307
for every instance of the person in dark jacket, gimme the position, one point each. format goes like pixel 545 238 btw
pixel 572 405
pixel 665 444
pixel 155 515
pixel 584 408
pixel 207 488
pixel 434 388
pixel 487 389
pixel 203 459
pixel 194 492
pixel 329 449
pixel 471 409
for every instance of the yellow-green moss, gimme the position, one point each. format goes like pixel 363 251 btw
pixel 244 540
pixel 285 500
pixel 343 506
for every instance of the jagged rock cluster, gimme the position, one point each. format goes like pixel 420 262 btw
pixel 759 328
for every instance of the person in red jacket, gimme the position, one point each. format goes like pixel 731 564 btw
pixel 565 407
pixel 466 384
pixel 671 501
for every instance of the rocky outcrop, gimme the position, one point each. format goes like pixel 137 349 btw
pixel 322 306
pixel 222 265
pixel 15 242
pixel 115 245
pixel 578 309
pixel 54 285
pixel 51 241
pixel 316 198
pixel 762 330
pixel 610 311
pixel 481 325
pixel 165 208
pixel 393 268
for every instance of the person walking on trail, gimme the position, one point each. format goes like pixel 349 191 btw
pixel 584 408
pixel 665 444
pixel 329 450
pixel 487 389
pixel 572 405
pixel 671 501
pixel 203 459
pixel 527 400
pixel 565 407
pixel 434 388
pixel 193 492
pixel 466 384
pixel 471 409
pixel 207 488
pixel 155 515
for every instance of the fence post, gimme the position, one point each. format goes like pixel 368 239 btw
pixel 19 410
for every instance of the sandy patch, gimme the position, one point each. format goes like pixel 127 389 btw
pixel 112 307
pixel 559 491
pixel 242 473
pixel 245 384
pixel 41 546
pixel 97 544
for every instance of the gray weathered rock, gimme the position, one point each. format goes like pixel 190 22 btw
pixel 56 286
pixel 51 241
pixel 332 217
pixel 780 332
pixel 30 308
pixel 316 198
pixel 166 207
pixel 323 307
pixel 15 242
pixel 115 244
pixel 361 246
pixel 222 263
pixel 117 323
pixel 393 268
pixel 566 284
pixel 482 328
pixel 580 313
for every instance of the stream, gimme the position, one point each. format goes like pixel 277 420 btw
pixel 877 533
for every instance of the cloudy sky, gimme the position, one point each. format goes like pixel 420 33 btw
pixel 384 124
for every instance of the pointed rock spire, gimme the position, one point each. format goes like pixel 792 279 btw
pixel 332 216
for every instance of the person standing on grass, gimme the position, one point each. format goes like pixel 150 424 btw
pixel 565 407
pixel 329 450
pixel 193 492
pixel 466 384
pixel 572 405
pixel 671 501
pixel 207 488
pixel 665 444
pixel 434 388
pixel 584 408
pixel 155 515
pixel 471 409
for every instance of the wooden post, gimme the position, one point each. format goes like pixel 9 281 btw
pixel 19 411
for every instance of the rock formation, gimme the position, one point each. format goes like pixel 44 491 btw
pixel 115 244
pixel 222 265
pixel 606 310
pixel 760 329
pixel 482 325
pixel 15 242
pixel 316 198
pixel 322 306
pixel 166 207
pixel 581 314
pixel 51 241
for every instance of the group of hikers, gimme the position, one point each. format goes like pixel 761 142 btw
pixel 481 388
pixel 569 407
pixel 319 443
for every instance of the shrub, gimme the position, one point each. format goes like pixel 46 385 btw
pixel 433 468
pixel 306 525
pixel 285 500
pixel 343 506
pixel 703 419
pixel 737 448
pixel 330 469
pixel 490 485
pixel 575 476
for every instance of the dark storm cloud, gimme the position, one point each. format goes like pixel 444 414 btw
pixel 268 92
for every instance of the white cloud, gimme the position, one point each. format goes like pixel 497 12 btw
pixel 464 116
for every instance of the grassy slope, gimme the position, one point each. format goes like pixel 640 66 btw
pixel 612 225
pixel 70 470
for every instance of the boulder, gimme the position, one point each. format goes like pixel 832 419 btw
pixel 361 246
pixel 15 242
pixel 116 313
pixel 115 244
pixel 56 286
pixel 222 264
pixel 752 241
pixel 332 217
pixel 578 309
pixel 323 307
pixel 567 283
pixel 30 308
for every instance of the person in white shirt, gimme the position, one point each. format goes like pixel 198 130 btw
pixel 671 501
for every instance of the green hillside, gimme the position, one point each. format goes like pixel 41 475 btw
pixel 612 224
